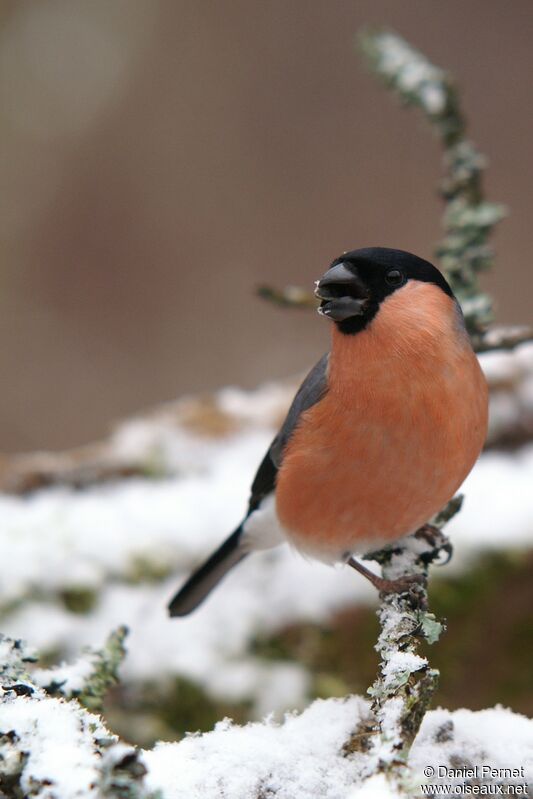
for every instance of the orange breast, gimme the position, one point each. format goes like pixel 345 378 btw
pixel 401 426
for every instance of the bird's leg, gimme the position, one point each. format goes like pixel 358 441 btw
pixel 397 586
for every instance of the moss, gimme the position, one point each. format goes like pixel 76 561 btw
pixel 107 662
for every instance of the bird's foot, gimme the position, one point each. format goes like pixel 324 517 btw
pixel 407 584
pixel 402 584
pixel 436 539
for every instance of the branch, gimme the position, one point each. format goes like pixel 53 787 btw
pixel 35 727
pixel 90 677
pixel 405 684
pixel 502 338
pixel 20 474
pixel 468 218
pixel 289 297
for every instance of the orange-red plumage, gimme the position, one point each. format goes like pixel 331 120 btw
pixel 401 425
pixel 381 433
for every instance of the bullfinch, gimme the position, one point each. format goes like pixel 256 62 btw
pixel 382 431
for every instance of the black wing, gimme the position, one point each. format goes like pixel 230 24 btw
pixel 313 388
pixel 231 551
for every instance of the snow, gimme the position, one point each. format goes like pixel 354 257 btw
pixel 402 663
pixel 496 737
pixel 59 741
pixel 375 787
pixel 498 508
pixel 300 758
pixel 390 716
pixel 60 539
pixel 68 677
pixel 510 376
pixel 304 757
pixel 70 752
pixel 133 542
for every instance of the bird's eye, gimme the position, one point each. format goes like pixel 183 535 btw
pixel 394 277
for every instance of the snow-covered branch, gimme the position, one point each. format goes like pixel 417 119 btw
pixel 90 677
pixel 53 748
pixel 403 689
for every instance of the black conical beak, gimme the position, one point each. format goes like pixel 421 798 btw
pixel 342 292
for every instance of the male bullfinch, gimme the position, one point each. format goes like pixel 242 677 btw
pixel 381 433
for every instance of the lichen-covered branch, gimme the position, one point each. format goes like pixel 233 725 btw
pixel 90 677
pixel 51 746
pixel 403 689
pixel 468 218
pixel 405 683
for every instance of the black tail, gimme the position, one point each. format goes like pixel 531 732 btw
pixel 204 579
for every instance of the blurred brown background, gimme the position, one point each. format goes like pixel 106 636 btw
pixel 160 159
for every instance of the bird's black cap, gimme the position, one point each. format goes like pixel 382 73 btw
pixel 385 258
pixel 359 280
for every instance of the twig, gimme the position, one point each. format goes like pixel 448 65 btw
pixel 289 297
pixel 468 218
pixel 95 463
pixel 502 338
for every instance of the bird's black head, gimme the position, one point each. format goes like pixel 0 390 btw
pixel 356 283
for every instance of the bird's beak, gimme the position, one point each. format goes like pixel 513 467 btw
pixel 342 292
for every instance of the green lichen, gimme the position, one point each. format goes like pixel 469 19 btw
pixel 105 674
pixel 430 627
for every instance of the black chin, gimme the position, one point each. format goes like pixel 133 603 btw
pixel 340 309
pixel 354 324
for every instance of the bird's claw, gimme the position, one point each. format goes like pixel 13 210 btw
pixel 439 543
